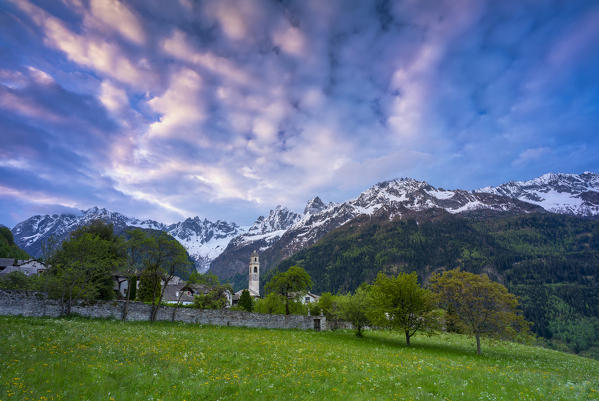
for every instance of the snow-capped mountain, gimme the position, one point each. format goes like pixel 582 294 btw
pixel 393 198
pixel 225 247
pixel 31 233
pixel 265 232
pixel 268 229
pixel 575 194
pixel 203 239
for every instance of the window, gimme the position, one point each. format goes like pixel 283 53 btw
pixel 255 269
pixel 307 299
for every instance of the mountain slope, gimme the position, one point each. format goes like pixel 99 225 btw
pixel 266 231
pixel 549 260
pixel 202 239
pixel 8 248
pixel 394 198
pixel 575 194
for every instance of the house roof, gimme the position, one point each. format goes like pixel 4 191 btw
pixel 237 295
pixel 29 266
pixel 173 290
pixel 303 294
pixel 7 262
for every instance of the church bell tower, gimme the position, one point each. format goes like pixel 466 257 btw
pixel 254 277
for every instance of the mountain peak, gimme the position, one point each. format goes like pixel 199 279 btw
pixel 564 193
pixel 279 218
pixel 314 206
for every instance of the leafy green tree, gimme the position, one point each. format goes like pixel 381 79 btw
pixel 147 286
pixel 355 308
pixel 162 258
pixel 245 301
pixel 134 249
pixel 8 248
pixel 326 304
pixel 578 332
pixel 273 303
pixel 314 309
pixel 293 281
pixel 481 306
pixel 83 265
pixel 215 298
pixel 400 303
pixel 207 279
pixel 15 281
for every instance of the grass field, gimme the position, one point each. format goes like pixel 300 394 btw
pixel 79 359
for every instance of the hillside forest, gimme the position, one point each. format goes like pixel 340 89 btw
pixel 550 261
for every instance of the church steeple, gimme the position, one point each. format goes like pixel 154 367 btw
pixel 254 276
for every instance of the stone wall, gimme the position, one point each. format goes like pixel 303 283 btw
pixel 18 303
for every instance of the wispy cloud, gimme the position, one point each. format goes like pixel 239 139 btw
pixel 226 108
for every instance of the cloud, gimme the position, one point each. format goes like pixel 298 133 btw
pixel 119 17
pixel 531 155
pixel 179 106
pixel 113 97
pixel 177 45
pixel 90 51
pixel 227 108
pixel 291 40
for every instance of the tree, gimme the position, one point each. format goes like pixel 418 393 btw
pixel 82 266
pixel 273 303
pixel 8 248
pixel 215 298
pixel 207 278
pixel 15 281
pixel 162 258
pixel 134 249
pixel 577 331
pixel 481 306
pixel 294 281
pixel 245 301
pixel 400 303
pixel 354 308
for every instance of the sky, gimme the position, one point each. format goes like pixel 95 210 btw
pixel 224 109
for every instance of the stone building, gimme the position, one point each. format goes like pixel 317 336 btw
pixel 27 267
pixel 253 279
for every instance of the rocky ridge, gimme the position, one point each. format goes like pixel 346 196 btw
pixel 203 239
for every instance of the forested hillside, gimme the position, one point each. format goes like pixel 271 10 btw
pixel 550 261
pixel 8 248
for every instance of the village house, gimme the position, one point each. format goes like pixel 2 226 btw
pixel 179 291
pixel 309 298
pixel 27 267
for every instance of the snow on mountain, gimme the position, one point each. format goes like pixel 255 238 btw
pixel 394 198
pixel 575 194
pixel 203 239
pixel 225 247
pixel 315 206
pixel 268 229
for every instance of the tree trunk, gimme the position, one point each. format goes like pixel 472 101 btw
pixel 359 332
pixel 477 343
pixel 154 307
pixel 126 306
pixel 70 301
pixel 287 305
pixel 155 311
pixel 407 338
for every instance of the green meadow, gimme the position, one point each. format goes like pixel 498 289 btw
pixel 81 359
